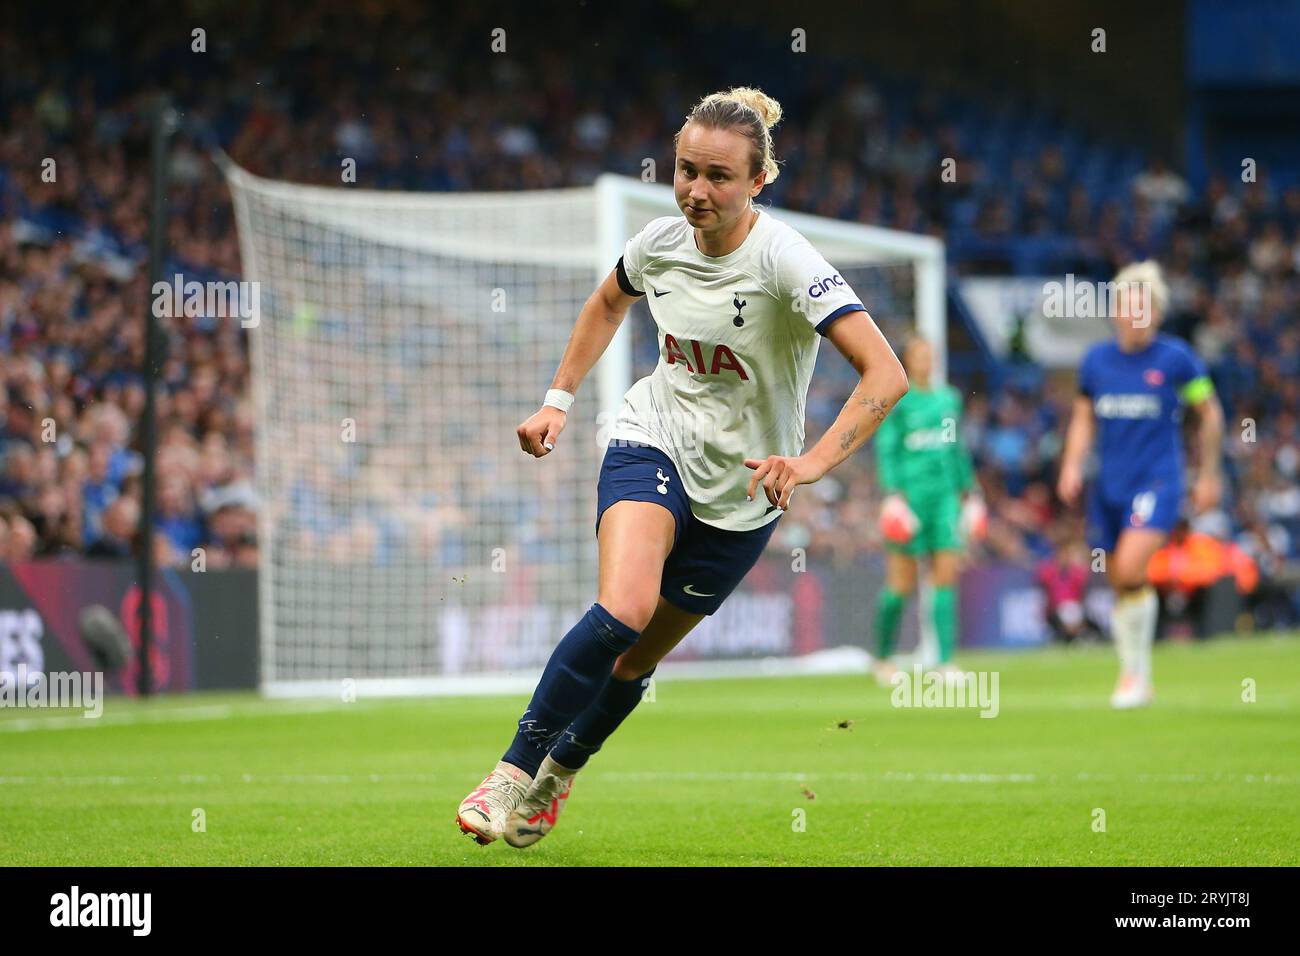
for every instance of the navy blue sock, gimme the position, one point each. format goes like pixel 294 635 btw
pixel 579 667
pixel 617 699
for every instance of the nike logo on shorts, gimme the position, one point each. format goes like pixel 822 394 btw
pixel 690 589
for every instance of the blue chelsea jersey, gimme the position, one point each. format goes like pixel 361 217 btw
pixel 1137 400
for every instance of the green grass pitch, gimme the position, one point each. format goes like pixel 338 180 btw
pixel 710 772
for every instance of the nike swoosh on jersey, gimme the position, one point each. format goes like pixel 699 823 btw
pixel 658 293
pixel 693 593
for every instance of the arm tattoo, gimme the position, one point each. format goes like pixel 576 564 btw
pixel 876 405
pixel 846 438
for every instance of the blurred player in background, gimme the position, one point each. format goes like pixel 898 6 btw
pixel 1132 391
pixel 740 300
pixel 1063 578
pixel 931 503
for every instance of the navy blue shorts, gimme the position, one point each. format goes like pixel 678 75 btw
pixel 1155 506
pixel 706 563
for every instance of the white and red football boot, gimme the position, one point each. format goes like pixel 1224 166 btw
pixel 483 813
pixel 535 816
pixel 1133 690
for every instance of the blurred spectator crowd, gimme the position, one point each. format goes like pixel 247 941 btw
pixel 291 91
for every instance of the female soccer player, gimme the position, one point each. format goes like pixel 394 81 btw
pixel 739 300
pixel 924 472
pixel 1131 393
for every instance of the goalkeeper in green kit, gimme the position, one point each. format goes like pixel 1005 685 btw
pixel 931 505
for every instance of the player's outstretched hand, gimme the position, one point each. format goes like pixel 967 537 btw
pixel 1069 484
pixel 1206 492
pixel 780 475
pixel 537 435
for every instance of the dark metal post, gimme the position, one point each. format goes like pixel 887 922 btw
pixel 164 122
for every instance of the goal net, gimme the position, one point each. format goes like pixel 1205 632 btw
pixel 407 544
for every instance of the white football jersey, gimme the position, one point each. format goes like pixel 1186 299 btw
pixel 738 338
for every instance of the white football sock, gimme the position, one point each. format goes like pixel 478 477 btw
pixel 1147 632
pixel 1133 626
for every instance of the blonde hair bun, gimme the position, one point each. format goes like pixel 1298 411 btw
pixel 768 109
pixel 748 110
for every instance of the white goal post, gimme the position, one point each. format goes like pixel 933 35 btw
pixel 407 545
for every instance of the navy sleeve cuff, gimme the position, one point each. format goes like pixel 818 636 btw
pixel 624 282
pixel 825 323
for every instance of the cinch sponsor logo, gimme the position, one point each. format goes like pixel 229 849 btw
pixel 1127 406
pixel 102 909
pixel 723 358
pixel 820 285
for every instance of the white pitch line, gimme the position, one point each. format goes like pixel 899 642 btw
pixel 169 715
pixel 897 776
pixel 118 780
pixel 886 776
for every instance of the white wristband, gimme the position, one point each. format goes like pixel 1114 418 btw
pixel 558 398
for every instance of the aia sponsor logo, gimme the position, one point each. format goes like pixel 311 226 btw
pixel 723 359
